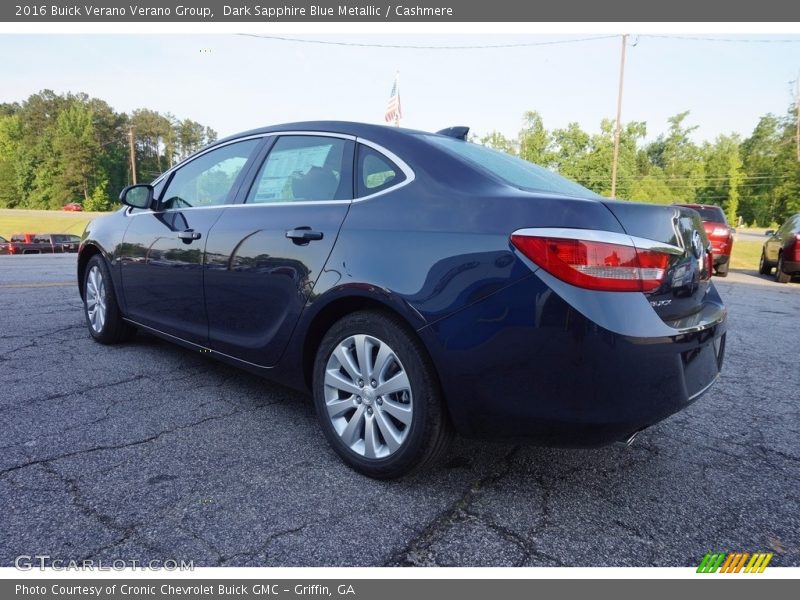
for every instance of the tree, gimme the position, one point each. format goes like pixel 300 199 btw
pixel 534 140
pixel 75 156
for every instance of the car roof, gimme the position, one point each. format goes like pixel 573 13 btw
pixel 366 130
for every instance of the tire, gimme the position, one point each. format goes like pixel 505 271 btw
pixel 100 307
pixel 374 439
pixel 763 265
pixel 722 270
pixel 780 276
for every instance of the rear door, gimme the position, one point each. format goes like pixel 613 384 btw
pixel 161 257
pixel 265 254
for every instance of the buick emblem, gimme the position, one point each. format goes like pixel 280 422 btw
pixel 697 244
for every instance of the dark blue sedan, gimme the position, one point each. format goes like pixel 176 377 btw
pixel 417 284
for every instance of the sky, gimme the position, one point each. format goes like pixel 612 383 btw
pixel 233 83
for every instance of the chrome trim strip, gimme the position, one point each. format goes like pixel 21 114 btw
pixel 407 171
pixel 596 235
pixel 254 205
pixel 198 346
pixel 344 136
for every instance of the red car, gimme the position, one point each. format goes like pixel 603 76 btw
pixel 719 233
pixel 73 207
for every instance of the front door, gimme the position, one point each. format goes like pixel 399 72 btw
pixel 161 257
pixel 264 255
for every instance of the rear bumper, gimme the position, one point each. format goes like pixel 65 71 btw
pixel 791 267
pixel 524 363
pixel 721 259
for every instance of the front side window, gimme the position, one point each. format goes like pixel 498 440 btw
pixel 375 172
pixel 305 168
pixel 208 179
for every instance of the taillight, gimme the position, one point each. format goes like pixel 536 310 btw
pixel 797 247
pixel 709 263
pixel 596 265
pixel 11 249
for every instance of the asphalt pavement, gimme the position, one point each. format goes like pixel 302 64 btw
pixel 149 451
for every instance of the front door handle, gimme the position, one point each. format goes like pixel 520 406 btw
pixel 303 235
pixel 189 235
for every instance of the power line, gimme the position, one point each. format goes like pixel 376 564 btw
pixel 426 47
pixel 690 38
pixel 693 38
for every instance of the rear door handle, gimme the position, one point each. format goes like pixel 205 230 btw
pixel 189 235
pixel 303 235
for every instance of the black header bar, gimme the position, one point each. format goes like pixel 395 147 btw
pixel 254 11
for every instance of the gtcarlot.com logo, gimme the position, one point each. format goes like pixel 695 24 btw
pixel 734 562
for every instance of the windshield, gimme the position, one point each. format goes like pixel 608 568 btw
pixel 514 171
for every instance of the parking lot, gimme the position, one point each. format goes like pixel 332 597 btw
pixel 148 451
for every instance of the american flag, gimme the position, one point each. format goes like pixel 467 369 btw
pixel 393 111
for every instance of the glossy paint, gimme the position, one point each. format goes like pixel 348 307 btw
pixel 517 351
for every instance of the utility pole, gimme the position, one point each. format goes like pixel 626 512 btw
pixel 797 110
pixel 132 151
pixel 618 126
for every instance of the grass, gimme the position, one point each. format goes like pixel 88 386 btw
pixel 746 254
pixel 43 221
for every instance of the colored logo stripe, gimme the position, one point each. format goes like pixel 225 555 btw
pixel 734 562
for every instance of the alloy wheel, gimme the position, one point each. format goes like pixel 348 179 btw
pixel 368 396
pixel 96 299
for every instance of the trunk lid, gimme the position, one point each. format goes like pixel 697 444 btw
pixel 686 283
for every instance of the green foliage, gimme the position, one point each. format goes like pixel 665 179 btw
pixel 56 149
pixel 99 200
pixel 757 179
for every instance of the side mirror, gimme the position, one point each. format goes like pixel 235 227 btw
pixel 769 232
pixel 137 196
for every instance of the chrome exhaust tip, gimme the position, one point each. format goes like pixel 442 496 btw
pixel 627 443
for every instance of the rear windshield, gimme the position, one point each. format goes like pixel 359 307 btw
pixel 712 214
pixel 514 171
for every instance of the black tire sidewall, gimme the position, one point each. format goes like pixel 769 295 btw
pixel 426 397
pixel 113 326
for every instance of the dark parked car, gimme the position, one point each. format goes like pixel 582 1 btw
pixel 416 284
pixel 4 244
pixel 782 251
pixel 43 243
pixel 719 233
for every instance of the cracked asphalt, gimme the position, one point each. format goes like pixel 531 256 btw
pixel 146 451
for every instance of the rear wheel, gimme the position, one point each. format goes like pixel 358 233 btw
pixel 780 276
pixel 763 265
pixel 100 305
pixel 722 270
pixel 377 396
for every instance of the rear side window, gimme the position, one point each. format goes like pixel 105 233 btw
pixel 514 171
pixel 305 168
pixel 375 172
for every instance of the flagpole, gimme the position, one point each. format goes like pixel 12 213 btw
pixel 397 83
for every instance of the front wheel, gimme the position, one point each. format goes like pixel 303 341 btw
pixel 100 305
pixel 377 396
